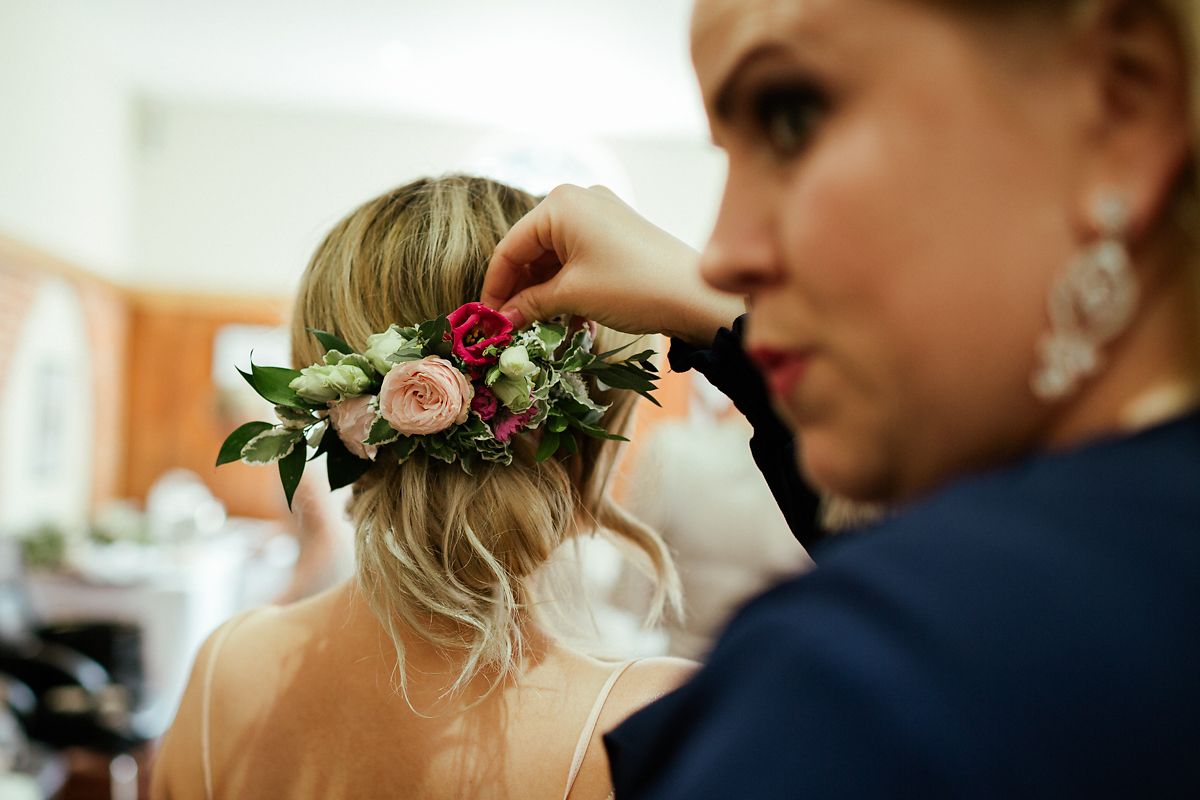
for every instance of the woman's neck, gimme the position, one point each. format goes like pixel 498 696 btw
pixel 431 670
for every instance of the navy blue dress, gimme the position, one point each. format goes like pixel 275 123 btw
pixel 1031 632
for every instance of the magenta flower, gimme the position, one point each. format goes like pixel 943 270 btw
pixel 511 423
pixel 485 403
pixel 473 328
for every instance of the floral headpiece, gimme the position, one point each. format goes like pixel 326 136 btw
pixel 457 387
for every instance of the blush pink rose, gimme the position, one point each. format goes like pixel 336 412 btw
pixel 352 419
pixel 425 396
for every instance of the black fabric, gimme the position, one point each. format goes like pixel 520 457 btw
pixel 1033 632
pixel 726 366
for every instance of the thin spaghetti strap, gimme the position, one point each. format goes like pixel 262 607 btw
pixel 589 727
pixel 210 669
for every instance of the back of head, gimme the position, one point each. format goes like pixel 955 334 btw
pixel 447 555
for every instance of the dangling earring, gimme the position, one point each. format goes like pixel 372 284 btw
pixel 1089 306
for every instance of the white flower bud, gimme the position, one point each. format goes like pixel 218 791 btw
pixel 382 345
pixel 515 363
pixel 325 384
pixel 514 393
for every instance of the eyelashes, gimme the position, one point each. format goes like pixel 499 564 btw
pixel 786 117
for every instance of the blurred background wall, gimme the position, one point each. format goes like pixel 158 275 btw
pixel 187 160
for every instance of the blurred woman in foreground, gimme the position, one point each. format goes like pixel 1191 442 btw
pixel 966 234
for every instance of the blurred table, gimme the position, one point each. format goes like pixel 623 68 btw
pixel 177 594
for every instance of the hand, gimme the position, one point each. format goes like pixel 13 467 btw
pixel 584 252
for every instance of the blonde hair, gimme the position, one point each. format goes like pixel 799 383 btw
pixel 449 556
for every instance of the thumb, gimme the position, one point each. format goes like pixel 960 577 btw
pixel 536 303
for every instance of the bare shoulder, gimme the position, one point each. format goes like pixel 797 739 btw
pixel 641 684
pixel 178 766
pixel 644 682
pixel 231 677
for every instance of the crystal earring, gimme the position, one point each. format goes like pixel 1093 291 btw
pixel 1090 304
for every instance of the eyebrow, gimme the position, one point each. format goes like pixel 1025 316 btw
pixel 723 105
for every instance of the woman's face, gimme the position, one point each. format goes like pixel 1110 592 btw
pixel 903 186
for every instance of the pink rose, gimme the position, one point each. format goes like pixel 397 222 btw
pixel 485 403
pixel 510 423
pixel 473 328
pixel 352 419
pixel 425 396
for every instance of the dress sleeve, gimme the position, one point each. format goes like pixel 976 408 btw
pixel 727 367
pixel 799 699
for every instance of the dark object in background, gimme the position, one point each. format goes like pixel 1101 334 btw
pixel 116 646
pixel 77 705
pixel 85 678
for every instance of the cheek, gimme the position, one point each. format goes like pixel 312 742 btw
pixel 927 295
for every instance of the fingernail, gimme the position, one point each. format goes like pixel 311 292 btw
pixel 514 316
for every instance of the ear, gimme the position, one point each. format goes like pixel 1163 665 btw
pixel 1142 137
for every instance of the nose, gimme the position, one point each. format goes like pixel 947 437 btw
pixel 741 256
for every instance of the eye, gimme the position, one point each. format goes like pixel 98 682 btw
pixel 787 117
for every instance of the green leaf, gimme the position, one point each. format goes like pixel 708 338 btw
pixel 547 447
pixel 411 351
pixel 330 342
pixel 231 450
pixel 342 466
pixel 551 335
pixel 433 332
pixel 294 417
pixel 596 432
pixel 577 397
pixel 271 383
pixel 640 358
pixel 291 468
pixel 405 447
pixel 381 432
pixel 493 375
pixel 271 445
pixel 557 424
pixel 651 398
pixel 500 454
pixel 570 444
pixel 441 452
pixel 610 353
pixel 623 376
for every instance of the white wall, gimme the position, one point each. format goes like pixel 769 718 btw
pixel 236 197
pixel 184 194
pixel 65 139
pixel 46 417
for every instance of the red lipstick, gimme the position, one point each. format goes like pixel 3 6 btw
pixel 781 370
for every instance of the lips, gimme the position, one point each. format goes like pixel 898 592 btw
pixel 782 370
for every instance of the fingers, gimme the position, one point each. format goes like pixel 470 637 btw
pixel 533 303
pixel 530 241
